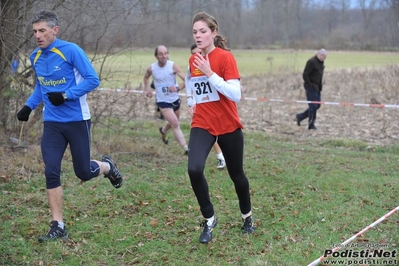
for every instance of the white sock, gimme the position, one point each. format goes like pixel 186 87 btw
pixel 209 221
pixel 61 225
pixel 109 168
pixel 245 216
pixel 220 156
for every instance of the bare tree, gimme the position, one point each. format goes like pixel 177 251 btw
pixel 393 7
pixel 98 26
pixel 13 17
pixel 368 11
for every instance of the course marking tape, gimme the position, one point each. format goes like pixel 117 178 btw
pixel 259 99
pixel 343 244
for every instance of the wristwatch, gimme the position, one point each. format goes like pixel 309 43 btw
pixel 65 96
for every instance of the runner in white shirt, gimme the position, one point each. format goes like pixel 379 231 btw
pixel 164 74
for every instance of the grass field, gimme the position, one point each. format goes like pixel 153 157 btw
pixel 307 196
pixel 309 192
pixel 127 69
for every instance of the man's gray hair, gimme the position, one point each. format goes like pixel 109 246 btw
pixel 322 51
pixel 45 15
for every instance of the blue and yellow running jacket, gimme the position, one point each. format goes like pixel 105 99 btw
pixel 63 67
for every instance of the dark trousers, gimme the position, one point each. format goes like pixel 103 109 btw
pixel 311 95
pixel 56 137
pixel 232 145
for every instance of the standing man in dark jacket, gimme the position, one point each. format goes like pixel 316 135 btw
pixel 313 76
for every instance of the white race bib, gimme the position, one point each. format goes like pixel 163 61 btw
pixel 202 90
pixel 162 89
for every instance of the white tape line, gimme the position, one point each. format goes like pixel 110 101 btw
pixel 259 99
pixel 343 244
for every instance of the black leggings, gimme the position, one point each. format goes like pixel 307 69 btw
pixel 232 145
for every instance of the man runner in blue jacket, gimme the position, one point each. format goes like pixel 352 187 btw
pixel 64 75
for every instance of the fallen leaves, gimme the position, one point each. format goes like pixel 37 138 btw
pixel 154 222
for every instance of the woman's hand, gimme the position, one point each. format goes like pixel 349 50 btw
pixel 202 63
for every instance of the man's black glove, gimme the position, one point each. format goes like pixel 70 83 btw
pixel 56 98
pixel 23 114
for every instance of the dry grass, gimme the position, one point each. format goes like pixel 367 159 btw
pixel 372 125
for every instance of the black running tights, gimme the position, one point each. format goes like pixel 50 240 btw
pixel 232 145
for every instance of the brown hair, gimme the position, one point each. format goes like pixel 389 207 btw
pixel 193 47
pixel 219 41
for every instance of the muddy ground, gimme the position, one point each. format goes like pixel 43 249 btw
pixel 378 126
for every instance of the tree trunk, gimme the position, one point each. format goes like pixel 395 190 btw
pixel 14 81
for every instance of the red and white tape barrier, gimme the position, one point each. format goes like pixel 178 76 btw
pixel 260 99
pixel 343 244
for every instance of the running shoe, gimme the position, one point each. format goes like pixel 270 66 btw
pixel 248 226
pixel 206 234
pixel 164 137
pixel 221 164
pixel 113 175
pixel 54 233
pixel 186 151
